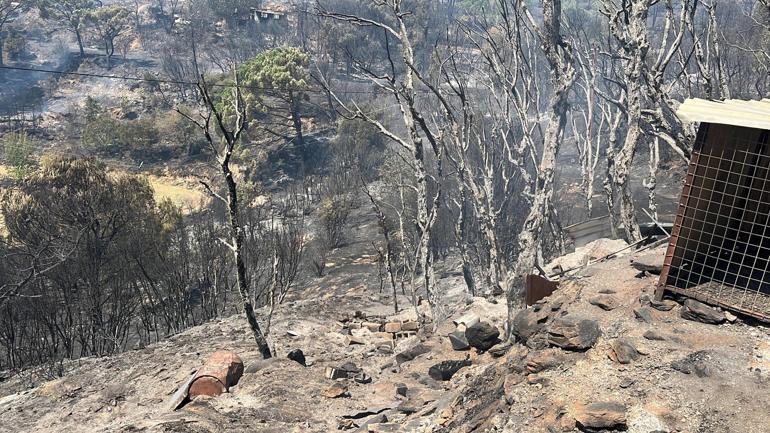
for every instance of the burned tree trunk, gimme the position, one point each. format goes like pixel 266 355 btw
pixel 560 60
pixel 223 153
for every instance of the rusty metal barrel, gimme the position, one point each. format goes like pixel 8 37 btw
pixel 222 370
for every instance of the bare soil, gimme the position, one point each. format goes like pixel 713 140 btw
pixel 129 392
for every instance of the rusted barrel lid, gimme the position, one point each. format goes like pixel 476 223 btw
pixel 222 370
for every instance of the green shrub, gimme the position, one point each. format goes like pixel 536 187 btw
pixel 18 149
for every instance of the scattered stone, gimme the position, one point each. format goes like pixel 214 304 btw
pixel 605 302
pixel 510 386
pixel 643 315
pixel 359 315
pixel 732 318
pixel 372 326
pixel 604 415
pixel 543 360
pixel 607 292
pixel 297 356
pixel 385 349
pixel 693 363
pixel 500 349
pixel 652 263
pixel 444 370
pixel 527 323
pixel 642 421
pixel 534 379
pixel 369 411
pixel 654 335
pixel 401 389
pixel 336 391
pixel 411 353
pixel 626 383
pixel 350 368
pixel 383 427
pixel 393 327
pixel 700 312
pixel 412 405
pixel 362 378
pixel 353 340
pixel 482 336
pixel 662 305
pixel 572 332
pixel 623 351
pixel 346 424
pixel 458 340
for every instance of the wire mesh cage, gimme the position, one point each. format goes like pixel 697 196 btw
pixel 720 246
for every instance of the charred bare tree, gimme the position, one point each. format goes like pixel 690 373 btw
pixel 222 137
pixel 402 86
pixel 559 55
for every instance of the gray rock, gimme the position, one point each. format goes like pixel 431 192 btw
pixel 482 336
pixel 573 333
pixel 444 370
pixel 662 305
pixel 649 263
pixel 411 353
pixel 458 340
pixel 538 361
pixel 527 323
pixel 604 415
pixel 654 335
pixel 696 362
pixel 700 312
pixel 605 302
pixel 623 351
pixel 643 314
pixel 500 349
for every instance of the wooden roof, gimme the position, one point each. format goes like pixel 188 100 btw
pixel 735 112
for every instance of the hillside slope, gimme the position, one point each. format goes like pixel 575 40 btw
pixel 691 377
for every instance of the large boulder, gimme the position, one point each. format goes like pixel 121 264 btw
pixel 444 370
pixel 482 336
pixel 527 323
pixel 573 332
pixel 602 415
pixel 700 312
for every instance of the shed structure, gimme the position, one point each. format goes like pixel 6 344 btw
pixel 719 251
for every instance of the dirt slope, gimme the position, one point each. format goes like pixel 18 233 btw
pixel 725 391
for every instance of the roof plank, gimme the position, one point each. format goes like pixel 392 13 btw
pixel 735 112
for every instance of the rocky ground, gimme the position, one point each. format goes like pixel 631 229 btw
pixel 596 355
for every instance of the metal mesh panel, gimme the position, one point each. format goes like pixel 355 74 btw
pixel 720 248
